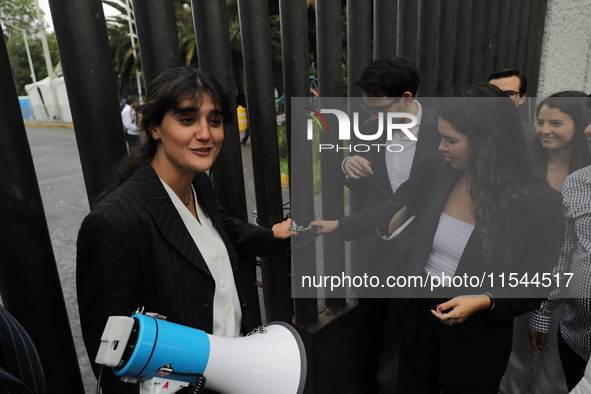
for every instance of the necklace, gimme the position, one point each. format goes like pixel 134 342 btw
pixel 190 197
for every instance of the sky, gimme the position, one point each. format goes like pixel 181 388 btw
pixel 44 4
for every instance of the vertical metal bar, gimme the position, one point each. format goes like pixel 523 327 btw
pixel 407 34
pixel 534 48
pixel 522 36
pixel 490 38
pixel 328 38
pixel 358 43
pixel 446 47
pixel 385 16
pixel 155 23
pixel 214 53
pixel 258 71
pixel 512 31
pixel 462 50
pixel 29 282
pixel 476 42
pixel 538 20
pixel 502 34
pixel 295 56
pixel 132 37
pixel 358 57
pixel 92 91
pixel 427 47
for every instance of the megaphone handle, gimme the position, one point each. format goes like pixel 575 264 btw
pixel 199 386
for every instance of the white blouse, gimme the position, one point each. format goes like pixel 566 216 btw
pixel 227 315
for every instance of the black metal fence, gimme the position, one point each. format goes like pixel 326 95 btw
pixel 454 42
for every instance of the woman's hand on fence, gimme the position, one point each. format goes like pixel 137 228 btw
pixel 324 226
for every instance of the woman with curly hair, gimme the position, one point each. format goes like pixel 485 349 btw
pixel 480 211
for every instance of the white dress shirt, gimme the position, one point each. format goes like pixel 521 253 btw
pixel 399 164
pixel 227 315
pixel 128 119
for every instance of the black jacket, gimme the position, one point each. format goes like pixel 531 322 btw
pixel 134 250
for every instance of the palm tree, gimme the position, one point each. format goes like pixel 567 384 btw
pixel 126 59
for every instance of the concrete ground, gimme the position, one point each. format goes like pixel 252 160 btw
pixel 59 174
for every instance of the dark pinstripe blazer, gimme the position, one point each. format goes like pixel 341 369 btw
pixel 20 367
pixel 134 250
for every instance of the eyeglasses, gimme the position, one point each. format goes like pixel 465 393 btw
pixel 379 108
pixel 512 94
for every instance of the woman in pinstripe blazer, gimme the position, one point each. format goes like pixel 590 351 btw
pixel 160 239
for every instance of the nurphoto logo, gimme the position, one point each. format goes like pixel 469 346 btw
pixel 394 121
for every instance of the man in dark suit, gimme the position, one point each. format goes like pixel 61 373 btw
pixel 512 82
pixel 388 85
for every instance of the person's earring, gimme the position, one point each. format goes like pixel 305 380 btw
pixel 154 135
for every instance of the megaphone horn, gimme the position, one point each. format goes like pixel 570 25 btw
pixel 271 359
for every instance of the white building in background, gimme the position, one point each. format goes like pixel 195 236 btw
pixel 44 108
pixel 565 63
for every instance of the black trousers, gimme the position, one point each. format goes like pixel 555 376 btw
pixel 572 364
pixel 419 368
pixel 132 140
pixel 373 315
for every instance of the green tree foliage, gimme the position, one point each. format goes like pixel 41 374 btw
pixel 19 63
pixel 16 15
pixel 17 18
pixel 125 65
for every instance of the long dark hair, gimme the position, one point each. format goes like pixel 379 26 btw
pixel 165 93
pixel 574 104
pixel 499 171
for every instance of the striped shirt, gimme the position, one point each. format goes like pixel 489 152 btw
pixel 575 258
pixel 20 367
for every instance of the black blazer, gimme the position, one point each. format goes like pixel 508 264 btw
pixel 534 244
pixel 376 189
pixel 134 250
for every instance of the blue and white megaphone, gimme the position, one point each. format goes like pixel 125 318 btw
pixel 165 357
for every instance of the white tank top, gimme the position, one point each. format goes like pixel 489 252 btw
pixel 448 245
